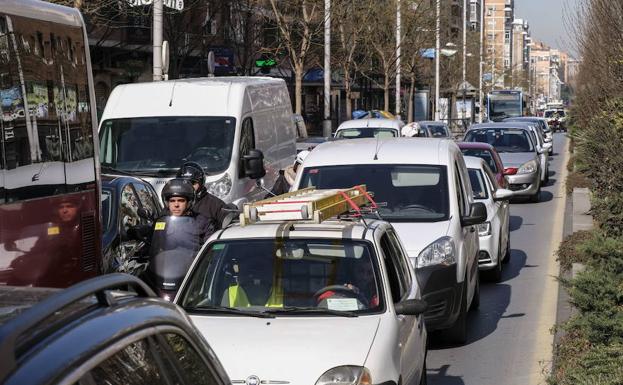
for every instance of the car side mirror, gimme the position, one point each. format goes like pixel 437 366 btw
pixel 477 215
pixel 411 307
pixel 502 194
pixel 253 164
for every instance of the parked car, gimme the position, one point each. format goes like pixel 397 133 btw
pixel 522 166
pixel 217 122
pixel 127 202
pixel 107 330
pixel 425 192
pixel 297 302
pixel 489 155
pixel 369 128
pixel 494 234
pixel 542 124
pixel 433 129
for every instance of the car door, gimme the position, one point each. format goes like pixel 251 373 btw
pixel 469 236
pixel 502 210
pixel 401 283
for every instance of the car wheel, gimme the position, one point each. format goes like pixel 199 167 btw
pixel 476 299
pixel 457 333
pixel 536 197
pixel 423 380
pixel 507 255
pixel 495 274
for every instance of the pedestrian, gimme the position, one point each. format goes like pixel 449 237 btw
pixel 206 204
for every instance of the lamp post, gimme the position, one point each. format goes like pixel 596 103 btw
pixel 326 123
pixel 437 54
pixel 481 64
pixel 464 56
pixel 157 39
pixel 398 69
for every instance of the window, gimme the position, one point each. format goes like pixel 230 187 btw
pixel 479 189
pixel 137 362
pixel 402 261
pixel 397 284
pixel 460 194
pixel 147 199
pixel 247 142
pixel 130 204
pixel 193 369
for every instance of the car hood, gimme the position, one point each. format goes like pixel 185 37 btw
pixel 516 159
pixel 415 236
pixel 296 350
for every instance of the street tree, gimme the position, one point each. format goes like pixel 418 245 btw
pixel 299 23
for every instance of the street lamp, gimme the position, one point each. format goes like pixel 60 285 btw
pixel 326 123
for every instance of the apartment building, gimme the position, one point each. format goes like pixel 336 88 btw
pixel 520 54
pixel 498 39
pixel 475 7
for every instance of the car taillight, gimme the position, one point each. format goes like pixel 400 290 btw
pixel 510 170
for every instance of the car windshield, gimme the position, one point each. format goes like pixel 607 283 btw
pixel 438 130
pixel 408 193
pixel 483 154
pixel 554 113
pixel 289 276
pixel 159 145
pixel 503 140
pixel 106 209
pixel 366 132
pixel 478 184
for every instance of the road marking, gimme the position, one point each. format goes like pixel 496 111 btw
pixel 543 351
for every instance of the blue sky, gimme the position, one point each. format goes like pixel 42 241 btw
pixel 547 21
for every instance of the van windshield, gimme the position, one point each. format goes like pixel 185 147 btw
pixel 158 146
pixel 407 193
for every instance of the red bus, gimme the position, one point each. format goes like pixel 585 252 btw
pixel 50 232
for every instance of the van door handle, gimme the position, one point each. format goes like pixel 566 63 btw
pixel 472 229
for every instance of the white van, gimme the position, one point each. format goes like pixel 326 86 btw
pixel 150 129
pixel 422 187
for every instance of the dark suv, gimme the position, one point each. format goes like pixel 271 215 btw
pixel 108 330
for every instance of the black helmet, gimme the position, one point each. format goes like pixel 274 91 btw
pixel 193 172
pixel 178 188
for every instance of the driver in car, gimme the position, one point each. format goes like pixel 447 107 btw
pixel 364 290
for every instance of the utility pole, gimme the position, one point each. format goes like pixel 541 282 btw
pixel 464 55
pixel 78 4
pixel 437 54
pixel 326 124
pixel 398 69
pixel 482 43
pixel 157 39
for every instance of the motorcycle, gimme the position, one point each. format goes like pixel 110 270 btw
pixel 174 243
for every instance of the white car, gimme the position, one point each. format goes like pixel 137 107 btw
pixel 424 190
pixel 494 234
pixel 301 303
pixel 369 128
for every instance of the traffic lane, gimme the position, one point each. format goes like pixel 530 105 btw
pixel 507 332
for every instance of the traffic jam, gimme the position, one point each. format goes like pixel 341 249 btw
pixel 204 238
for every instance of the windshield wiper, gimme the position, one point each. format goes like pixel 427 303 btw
pixel 112 170
pixel 310 310
pixel 228 310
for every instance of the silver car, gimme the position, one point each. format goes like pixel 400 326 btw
pixel 542 147
pixel 542 124
pixel 519 153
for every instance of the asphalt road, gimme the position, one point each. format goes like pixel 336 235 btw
pixel 509 339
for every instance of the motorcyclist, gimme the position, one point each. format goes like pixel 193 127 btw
pixel 206 204
pixel 178 196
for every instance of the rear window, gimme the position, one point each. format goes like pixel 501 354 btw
pixel 485 155
pixel 502 139
pixel 366 132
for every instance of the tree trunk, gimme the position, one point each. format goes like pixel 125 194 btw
pixel 410 101
pixel 78 4
pixel 298 89
pixel 386 92
pixel 349 92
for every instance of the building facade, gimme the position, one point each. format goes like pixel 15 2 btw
pixel 499 15
pixel 520 54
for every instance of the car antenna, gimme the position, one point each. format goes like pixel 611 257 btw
pixel 376 150
pixel 172 93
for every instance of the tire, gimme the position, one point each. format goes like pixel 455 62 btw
pixel 476 298
pixel 457 333
pixel 423 379
pixel 536 197
pixel 507 255
pixel 495 274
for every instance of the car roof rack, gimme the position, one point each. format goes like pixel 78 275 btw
pixel 11 333
pixel 310 205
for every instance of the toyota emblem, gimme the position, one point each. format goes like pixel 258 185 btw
pixel 253 380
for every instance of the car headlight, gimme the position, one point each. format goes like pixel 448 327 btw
pixel 346 375
pixel 484 229
pixel 440 252
pixel 221 188
pixel 528 167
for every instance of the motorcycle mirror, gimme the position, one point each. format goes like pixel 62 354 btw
pixel 145 214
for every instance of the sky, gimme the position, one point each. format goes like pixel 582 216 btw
pixel 547 20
